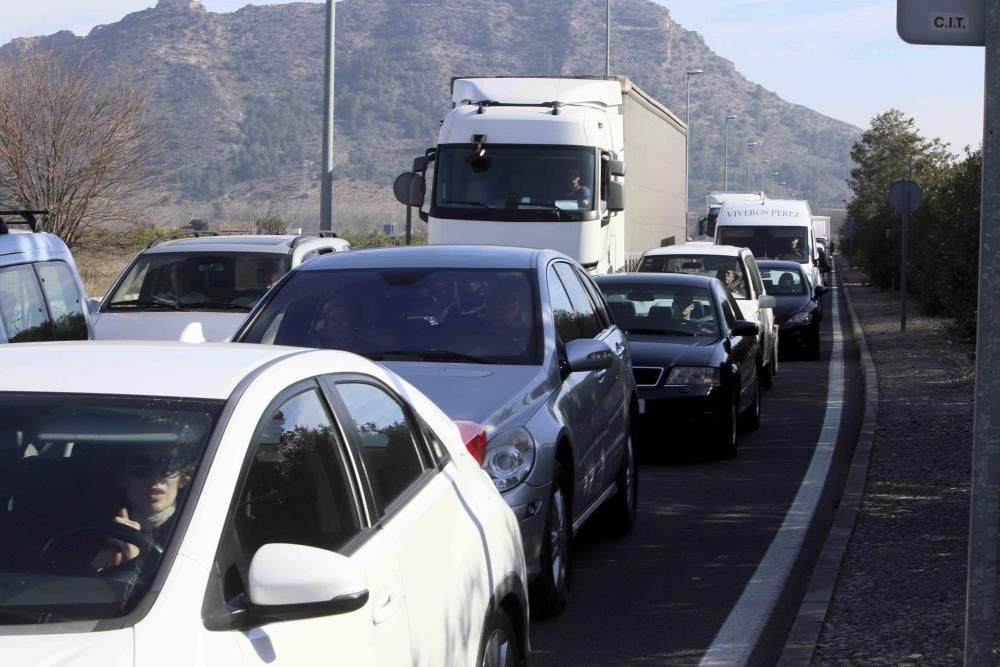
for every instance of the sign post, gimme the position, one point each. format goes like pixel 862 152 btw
pixel 905 197
pixel 977 23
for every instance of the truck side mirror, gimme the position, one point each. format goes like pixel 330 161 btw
pixel 615 197
pixel 410 188
pixel 616 167
pixel 702 225
pixel 420 164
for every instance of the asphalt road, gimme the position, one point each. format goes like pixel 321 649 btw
pixel 661 595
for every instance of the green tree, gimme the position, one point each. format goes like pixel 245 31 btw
pixel 890 150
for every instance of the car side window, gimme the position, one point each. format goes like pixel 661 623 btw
pixel 22 306
pixel 731 310
pixel 387 439
pixel 64 299
pixel 567 327
pixel 596 297
pixel 296 489
pixel 754 273
pixel 583 307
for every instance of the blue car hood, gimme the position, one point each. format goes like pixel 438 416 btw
pixel 486 394
pixel 669 351
pixel 786 306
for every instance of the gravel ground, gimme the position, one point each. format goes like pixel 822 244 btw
pixel 900 593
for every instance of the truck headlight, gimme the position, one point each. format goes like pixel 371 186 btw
pixel 509 458
pixel 701 376
pixel 800 318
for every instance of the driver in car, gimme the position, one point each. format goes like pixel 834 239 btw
pixel 151 480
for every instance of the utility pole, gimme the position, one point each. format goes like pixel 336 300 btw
pixel 607 44
pixel 326 178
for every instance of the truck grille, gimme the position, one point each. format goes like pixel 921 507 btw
pixel 647 376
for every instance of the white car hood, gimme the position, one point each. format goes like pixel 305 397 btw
pixel 113 648
pixel 164 325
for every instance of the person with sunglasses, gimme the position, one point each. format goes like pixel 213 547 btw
pixel 151 481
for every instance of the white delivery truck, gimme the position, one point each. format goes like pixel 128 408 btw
pixel 714 201
pixel 822 229
pixel 772 229
pixel 541 162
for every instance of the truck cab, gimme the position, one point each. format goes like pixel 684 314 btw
pixel 540 162
pixel 772 229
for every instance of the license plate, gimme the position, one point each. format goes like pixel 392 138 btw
pixel 642 406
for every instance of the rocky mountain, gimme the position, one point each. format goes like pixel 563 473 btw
pixel 240 94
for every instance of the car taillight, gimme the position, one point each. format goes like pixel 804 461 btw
pixel 474 438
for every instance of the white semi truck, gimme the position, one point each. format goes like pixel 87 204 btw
pixel 541 162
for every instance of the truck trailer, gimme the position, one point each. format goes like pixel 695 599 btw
pixel 541 162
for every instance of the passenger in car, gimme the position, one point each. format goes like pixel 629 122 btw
pixel 734 281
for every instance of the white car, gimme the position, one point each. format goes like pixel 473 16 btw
pixel 208 278
pixel 166 504
pixel 708 259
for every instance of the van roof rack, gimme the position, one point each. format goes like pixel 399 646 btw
pixel 182 234
pixel 28 218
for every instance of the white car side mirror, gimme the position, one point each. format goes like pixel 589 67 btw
pixel 192 333
pixel 292 574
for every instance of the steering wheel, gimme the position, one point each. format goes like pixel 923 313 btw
pixel 112 529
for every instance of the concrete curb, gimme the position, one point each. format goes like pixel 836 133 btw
pixel 800 646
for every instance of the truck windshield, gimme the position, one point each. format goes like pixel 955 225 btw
pixel 92 489
pixel 515 178
pixel 769 242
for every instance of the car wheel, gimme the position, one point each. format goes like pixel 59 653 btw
pixel 623 504
pixel 499 647
pixel 751 418
pixel 726 435
pixel 766 373
pixel 551 588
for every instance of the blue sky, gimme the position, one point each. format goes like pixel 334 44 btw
pixel 839 57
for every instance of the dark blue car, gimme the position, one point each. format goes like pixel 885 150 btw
pixel 693 356
pixel 798 306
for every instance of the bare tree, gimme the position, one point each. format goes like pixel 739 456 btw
pixel 76 143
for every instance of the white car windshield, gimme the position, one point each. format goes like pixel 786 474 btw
pixel 91 488
pixel 725 268
pixel 198 281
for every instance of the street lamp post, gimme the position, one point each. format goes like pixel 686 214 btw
pixel 771 184
pixel 725 167
pixel 749 146
pixel 687 139
pixel 762 163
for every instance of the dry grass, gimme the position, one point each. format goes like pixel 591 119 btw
pixel 99 268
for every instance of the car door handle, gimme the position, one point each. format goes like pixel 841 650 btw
pixel 387 608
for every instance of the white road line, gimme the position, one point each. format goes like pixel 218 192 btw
pixel 738 636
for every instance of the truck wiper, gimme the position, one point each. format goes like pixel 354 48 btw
pixel 449 202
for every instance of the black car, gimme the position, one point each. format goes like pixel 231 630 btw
pixel 693 355
pixel 798 306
